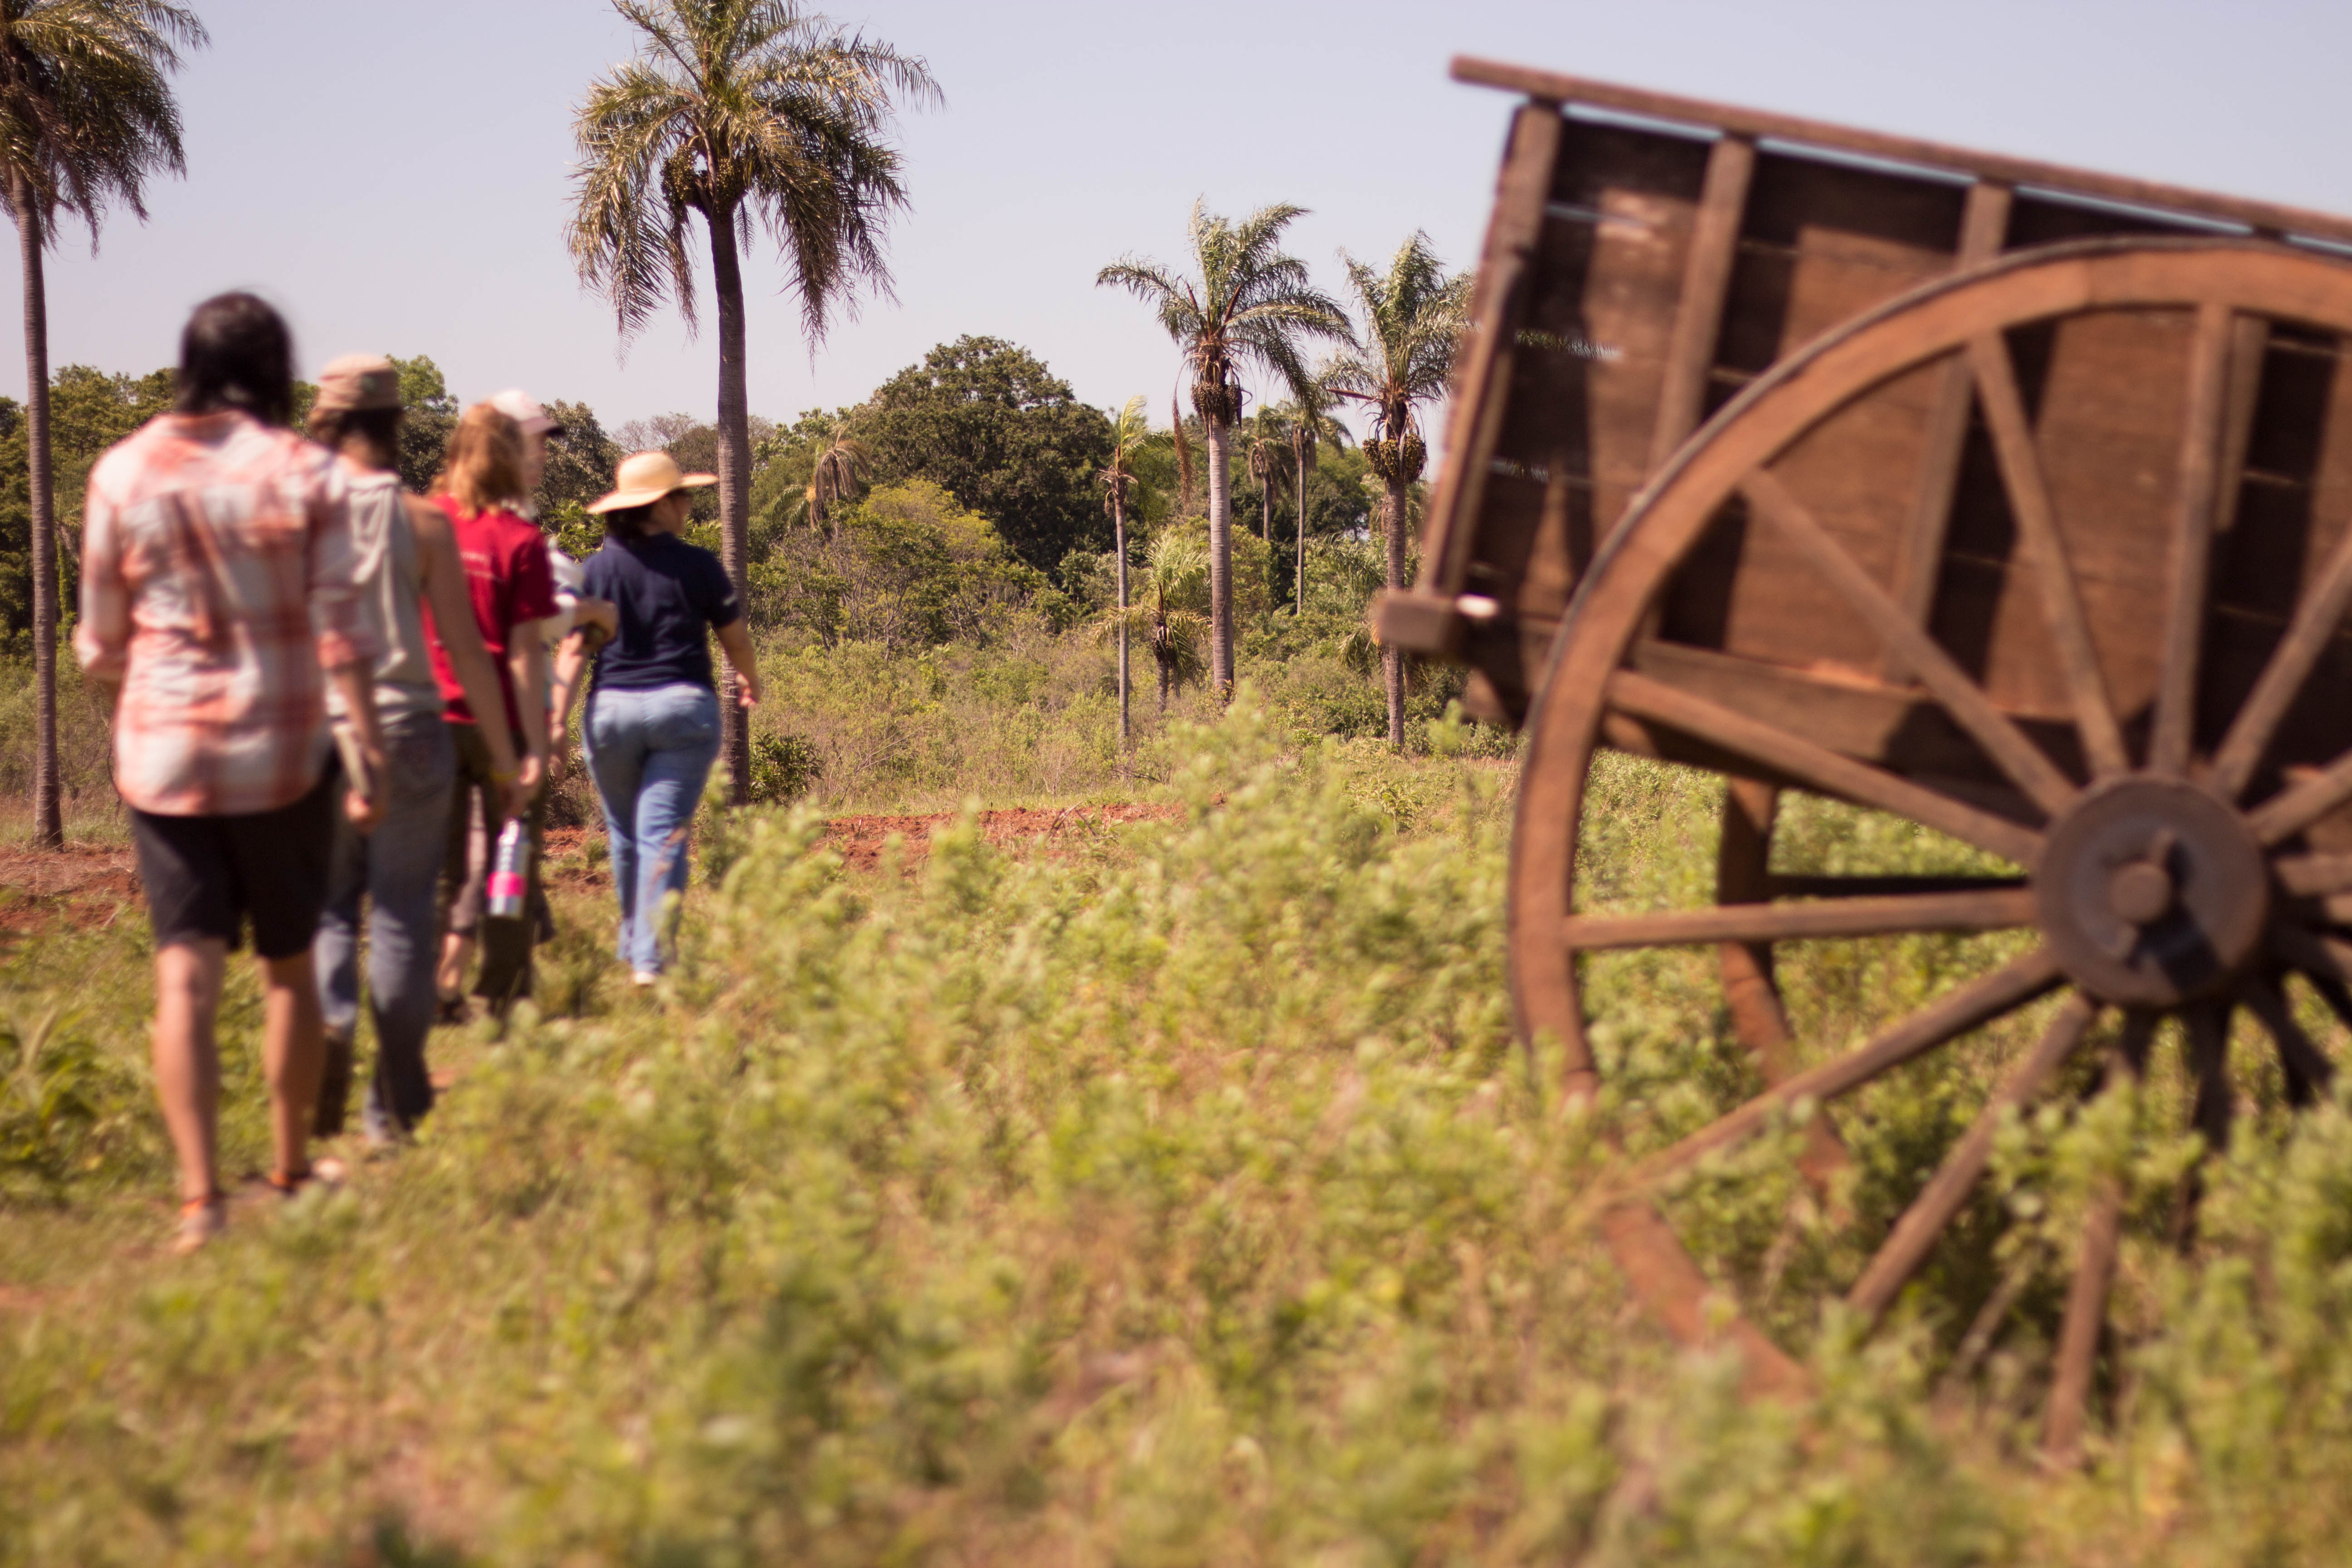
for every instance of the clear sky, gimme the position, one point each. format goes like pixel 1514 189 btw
pixel 395 173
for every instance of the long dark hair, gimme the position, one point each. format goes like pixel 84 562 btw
pixel 629 524
pixel 235 352
pixel 380 427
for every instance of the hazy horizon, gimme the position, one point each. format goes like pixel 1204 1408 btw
pixel 399 181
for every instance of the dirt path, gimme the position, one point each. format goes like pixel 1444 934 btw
pixel 85 886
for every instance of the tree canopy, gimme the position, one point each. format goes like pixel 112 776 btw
pixel 987 422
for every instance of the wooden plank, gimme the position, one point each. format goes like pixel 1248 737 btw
pixel 1521 194
pixel 1901 729
pixel 2018 757
pixel 1950 1017
pixel 1990 909
pixel 1922 1225
pixel 2195 509
pixel 1554 88
pixel 1707 275
pixel 1821 769
pixel 2062 599
pixel 1984 225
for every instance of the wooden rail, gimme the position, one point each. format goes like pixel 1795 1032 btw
pixel 1547 87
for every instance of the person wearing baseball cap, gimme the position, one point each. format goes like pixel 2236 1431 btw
pixel 651 730
pixel 405 564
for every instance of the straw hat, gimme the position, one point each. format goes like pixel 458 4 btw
pixel 645 477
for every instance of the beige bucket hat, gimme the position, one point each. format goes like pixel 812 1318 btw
pixel 356 383
pixel 644 477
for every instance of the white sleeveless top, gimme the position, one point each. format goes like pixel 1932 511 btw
pixel 390 577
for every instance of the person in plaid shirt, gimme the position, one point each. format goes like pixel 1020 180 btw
pixel 216 606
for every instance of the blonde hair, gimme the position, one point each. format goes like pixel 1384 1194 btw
pixel 483 466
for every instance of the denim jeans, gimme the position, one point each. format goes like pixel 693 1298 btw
pixel 397 867
pixel 649 752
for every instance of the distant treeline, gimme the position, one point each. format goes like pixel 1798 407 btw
pixel 979 421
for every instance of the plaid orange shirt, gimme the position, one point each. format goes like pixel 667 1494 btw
pixel 216 588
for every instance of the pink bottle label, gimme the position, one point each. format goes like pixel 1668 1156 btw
pixel 505 886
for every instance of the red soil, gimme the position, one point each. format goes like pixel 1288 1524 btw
pixel 85 886
pixel 859 839
pixel 79 886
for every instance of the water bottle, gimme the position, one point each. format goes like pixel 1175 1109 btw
pixel 509 872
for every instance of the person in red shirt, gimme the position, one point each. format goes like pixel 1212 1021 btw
pixel 480 487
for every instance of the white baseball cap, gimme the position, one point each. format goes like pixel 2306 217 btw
pixel 524 410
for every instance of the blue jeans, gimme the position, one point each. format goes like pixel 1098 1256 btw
pixel 649 752
pixel 397 867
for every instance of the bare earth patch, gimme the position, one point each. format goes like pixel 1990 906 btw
pixel 859 839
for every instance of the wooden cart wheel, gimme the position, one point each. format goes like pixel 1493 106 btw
pixel 2166 858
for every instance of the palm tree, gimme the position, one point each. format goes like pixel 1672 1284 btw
pixel 1307 419
pixel 1249 304
pixel 1263 448
pixel 85 116
pixel 1168 610
pixel 1129 432
pixel 1414 316
pixel 834 470
pixel 735 111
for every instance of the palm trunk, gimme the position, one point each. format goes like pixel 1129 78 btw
pixel 1163 688
pixel 734 479
pixel 1299 580
pixel 1221 560
pixel 1265 506
pixel 48 808
pixel 1118 545
pixel 1392 657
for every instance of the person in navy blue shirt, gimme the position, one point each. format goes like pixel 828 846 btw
pixel 650 731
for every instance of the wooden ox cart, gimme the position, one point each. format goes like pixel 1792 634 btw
pixel 2012 499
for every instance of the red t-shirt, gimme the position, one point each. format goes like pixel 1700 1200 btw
pixel 507 579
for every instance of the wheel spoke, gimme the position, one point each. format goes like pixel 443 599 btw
pixel 1818 767
pixel 2306 1067
pixel 2299 806
pixel 2061 602
pixel 1991 911
pixel 2026 763
pixel 2195 509
pixel 2086 1314
pixel 2316 620
pixel 2094 1271
pixel 2314 876
pixel 2326 960
pixel 1946 1018
pixel 1915 1234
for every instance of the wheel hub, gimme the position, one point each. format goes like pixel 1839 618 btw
pixel 2152 891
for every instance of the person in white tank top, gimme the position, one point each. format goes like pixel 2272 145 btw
pixel 412 588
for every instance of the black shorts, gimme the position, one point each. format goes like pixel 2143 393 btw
pixel 207 876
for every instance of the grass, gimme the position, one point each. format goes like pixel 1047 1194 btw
pixel 1176 1195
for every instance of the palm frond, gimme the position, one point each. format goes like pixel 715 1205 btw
pixel 752 113
pixel 87 113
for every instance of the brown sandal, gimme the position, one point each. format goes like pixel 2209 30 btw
pixel 327 1174
pixel 201 1219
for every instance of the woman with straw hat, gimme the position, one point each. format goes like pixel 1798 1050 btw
pixel 650 731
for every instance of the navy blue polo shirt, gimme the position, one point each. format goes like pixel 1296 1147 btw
pixel 669 594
